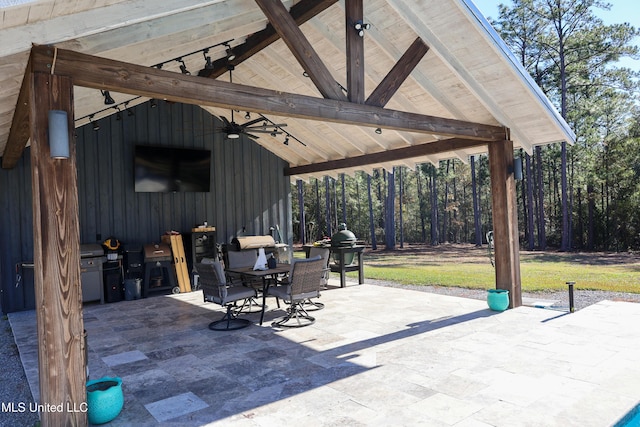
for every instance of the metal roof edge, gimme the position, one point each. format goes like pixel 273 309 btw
pixel 524 75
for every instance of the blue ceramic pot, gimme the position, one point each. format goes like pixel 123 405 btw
pixel 104 399
pixel 498 299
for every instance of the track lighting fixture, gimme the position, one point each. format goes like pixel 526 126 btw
pixel 305 74
pixel 208 65
pixel 96 126
pixel 183 67
pixel 360 27
pixel 118 114
pixel 286 140
pixel 130 112
pixel 378 131
pixel 153 103
pixel 247 116
pixel 108 100
pixel 230 55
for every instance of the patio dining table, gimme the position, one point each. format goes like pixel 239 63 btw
pixel 265 275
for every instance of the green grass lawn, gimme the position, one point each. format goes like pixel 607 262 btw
pixel 467 266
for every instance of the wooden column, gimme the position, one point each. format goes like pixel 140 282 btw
pixel 505 220
pixel 56 255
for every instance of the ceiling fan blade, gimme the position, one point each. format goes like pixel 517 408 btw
pixel 277 125
pixel 226 122
pixel 265 131
pixel 254 121
pixel 252 136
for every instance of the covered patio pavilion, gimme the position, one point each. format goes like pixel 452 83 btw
pixel 431 76
pixel 376 356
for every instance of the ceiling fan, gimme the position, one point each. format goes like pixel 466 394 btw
pixel 233 129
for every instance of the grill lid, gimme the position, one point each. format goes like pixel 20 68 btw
pixel 253 242
pixel 343 237
pixel 90 250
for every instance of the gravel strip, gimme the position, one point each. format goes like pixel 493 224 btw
pixel 14 389
pixel 581 298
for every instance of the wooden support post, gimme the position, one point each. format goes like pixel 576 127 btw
pixel 505 220
pixel 56 255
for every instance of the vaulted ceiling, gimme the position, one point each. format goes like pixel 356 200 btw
pixel 439 59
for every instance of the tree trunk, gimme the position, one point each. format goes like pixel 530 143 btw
pixel 445 200
pixel 327 211
pixel 400 218
pixel 390 229
pixel 421 203
pixel 542 236
pixel 591 207
pixel 372 225
pixel 529 202
pixel 476 206
pixel 344 199
pixel 303 227
pixel 434 207
pixel 319 233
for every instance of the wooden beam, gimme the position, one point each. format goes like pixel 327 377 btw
pixel 20 130
pixel 355 51
pixel 301 48
pixel 398 74
pixel 56 255
pixel 505 220
pixel 386 156
pixel 300 12
pixel 101 73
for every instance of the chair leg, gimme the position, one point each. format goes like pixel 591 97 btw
pixel 229 321
pixel 310 305
pixel 296 317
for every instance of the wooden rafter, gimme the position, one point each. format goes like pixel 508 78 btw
pixel 20 128
pixel 398 74
pixel 300 12
pixel 387 156
pixel 301 48
pixel 102 73
pixel 355 51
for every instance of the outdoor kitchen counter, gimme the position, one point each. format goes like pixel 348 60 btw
pixel 340 267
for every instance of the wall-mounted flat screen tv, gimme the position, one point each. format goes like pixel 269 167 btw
pixel 170 169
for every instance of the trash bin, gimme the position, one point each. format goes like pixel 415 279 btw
pixel 132 289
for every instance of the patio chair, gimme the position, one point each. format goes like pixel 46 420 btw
pixel 239 259
pixel 305 281
pixel 216 289
pixel 324 253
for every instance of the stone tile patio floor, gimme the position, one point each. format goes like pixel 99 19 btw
pixel 376 356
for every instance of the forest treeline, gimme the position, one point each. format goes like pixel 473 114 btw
pixel 583 196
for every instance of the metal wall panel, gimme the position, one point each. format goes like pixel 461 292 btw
pixel 249 193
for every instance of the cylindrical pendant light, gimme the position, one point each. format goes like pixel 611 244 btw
pixel 58 134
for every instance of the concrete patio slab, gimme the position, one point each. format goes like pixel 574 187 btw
pixel 376 356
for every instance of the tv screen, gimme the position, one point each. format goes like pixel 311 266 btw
pixel 169 169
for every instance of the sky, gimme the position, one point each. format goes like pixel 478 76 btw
pixel 621 11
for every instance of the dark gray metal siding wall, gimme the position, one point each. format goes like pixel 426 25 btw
pixel 249 193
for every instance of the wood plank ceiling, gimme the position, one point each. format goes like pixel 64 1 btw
pixel 435 58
